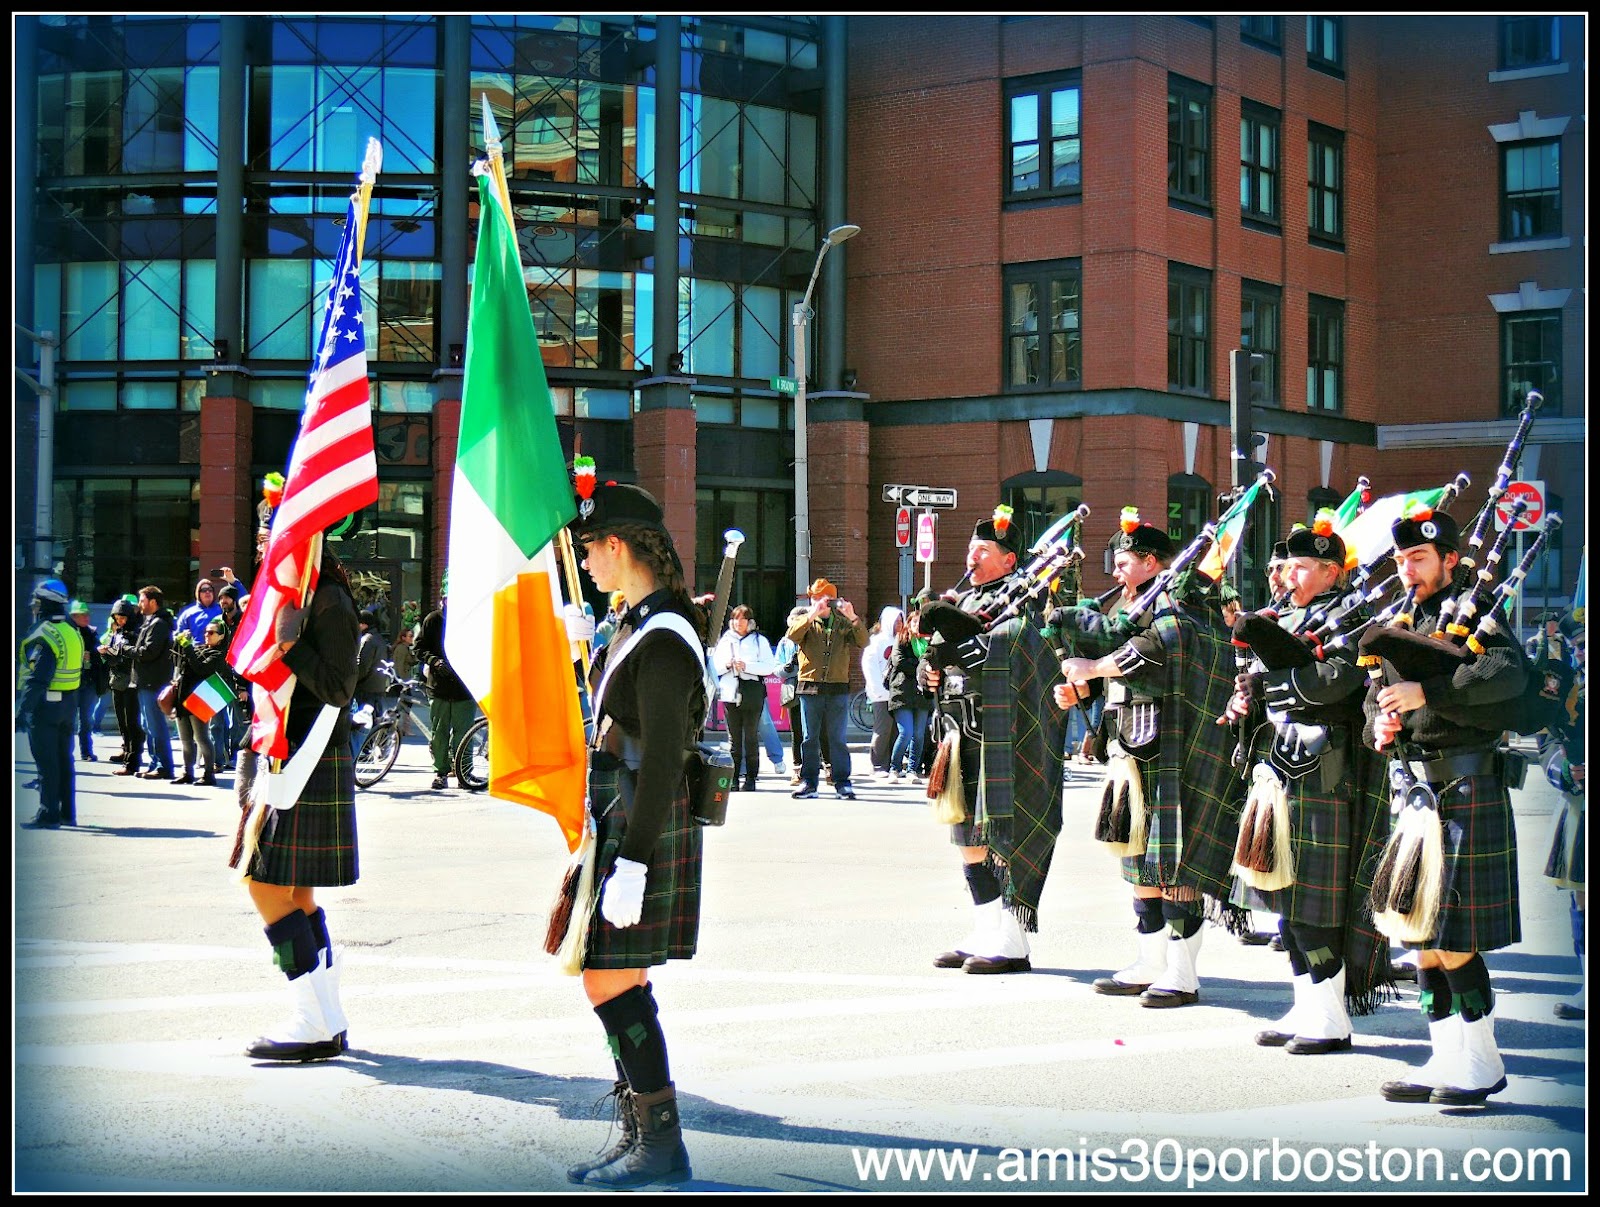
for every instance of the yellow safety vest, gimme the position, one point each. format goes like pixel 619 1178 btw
pixel 66 643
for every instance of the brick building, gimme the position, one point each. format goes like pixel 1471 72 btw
pixel 1051 270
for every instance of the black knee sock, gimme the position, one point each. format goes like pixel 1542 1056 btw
pixel 1297 958
pixel 1182 917
pixel 1148 911
pixel 636 1040
pixel 294 945
pixel 981 882
pixel 1322 950
pixel 1434 994
pixel 1470 985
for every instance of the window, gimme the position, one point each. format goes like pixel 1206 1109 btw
pixel 1530 343
pixel 1325 44
pixel 1325 354
pixel 1530 190
pixel 1188 141
pixel 1260 331
pixel 1266 32
pixel 1260 129
pixel 1188 507
pixel 1529 42
pixel 120 531
pixel 764 575
pixel 1325 186
pixel 1188 329
pixel 1044 339
pixel 1038 500
pixel 1042 131
pixel 1319 497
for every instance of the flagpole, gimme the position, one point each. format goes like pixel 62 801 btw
pixel 497 174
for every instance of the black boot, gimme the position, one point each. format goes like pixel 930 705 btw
pixel 658 1154
pixel 622 1104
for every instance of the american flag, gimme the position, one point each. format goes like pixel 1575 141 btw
pixel 333 471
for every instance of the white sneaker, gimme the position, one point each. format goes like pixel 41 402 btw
pixel 894 777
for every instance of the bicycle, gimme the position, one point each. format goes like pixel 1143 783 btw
pixel 381 747
pixel 472 757
pixel 861 711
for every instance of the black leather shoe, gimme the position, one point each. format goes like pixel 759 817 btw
pixel 157 774
pixel 40 823
pixel 1302 1046
pixel 1166 999
pixel 124 771
pixel 440 781
pixel 996 964
pixel 951 959
pixel 1116 988
pixel 1449 1095
pixel 1272 1039
pixel 272 1049
pixel 1255 939
pixel 749 786
pixel 1405 1091
pixel 185 778
pixel 1569 1011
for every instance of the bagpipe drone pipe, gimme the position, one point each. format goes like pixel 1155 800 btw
pixel 1339 624
pixel 1055 551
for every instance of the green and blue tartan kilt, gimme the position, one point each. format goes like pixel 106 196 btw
pixel 669 925
pixel 1481 906
pixel 1565 864
pixel 313 845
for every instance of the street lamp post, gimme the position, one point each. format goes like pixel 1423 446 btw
pixel 802 500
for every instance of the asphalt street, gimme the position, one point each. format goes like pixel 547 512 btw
pixel 810 1038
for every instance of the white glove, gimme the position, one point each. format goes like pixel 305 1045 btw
pixel 622 900
pixel 580 627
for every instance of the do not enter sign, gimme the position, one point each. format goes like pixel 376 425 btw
pixel 1532 517
pixel 902 527
pixel 927 528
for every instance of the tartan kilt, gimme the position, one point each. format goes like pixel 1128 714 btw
pixel 1565 864
pixel 313 845
pixel 1198 830
pixel 1320 836
pixel 669 925
pixel 1481 907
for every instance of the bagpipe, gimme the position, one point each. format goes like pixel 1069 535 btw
pixel 1053 553
pixel 964 641
pixel 1409 884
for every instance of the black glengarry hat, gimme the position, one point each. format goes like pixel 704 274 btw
pixel 613 505
pixel 1318 541
pixel 1001 529
pixel 1424 526
pixel 1139 537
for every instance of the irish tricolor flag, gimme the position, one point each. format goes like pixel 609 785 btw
pixel 511 495
pixel 1229 529
pixel 1369 535
pixel 210 698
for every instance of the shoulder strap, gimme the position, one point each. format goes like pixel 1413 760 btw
pixel 670 622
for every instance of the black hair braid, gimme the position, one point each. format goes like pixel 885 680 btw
pixel 656 550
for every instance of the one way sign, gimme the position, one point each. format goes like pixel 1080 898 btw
pixel 918 496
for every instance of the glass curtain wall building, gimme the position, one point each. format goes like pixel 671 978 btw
pixel 191 175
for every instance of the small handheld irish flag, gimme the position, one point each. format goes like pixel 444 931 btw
pixel 210 698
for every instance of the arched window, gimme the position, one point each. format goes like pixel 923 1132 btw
pixel 1038 500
